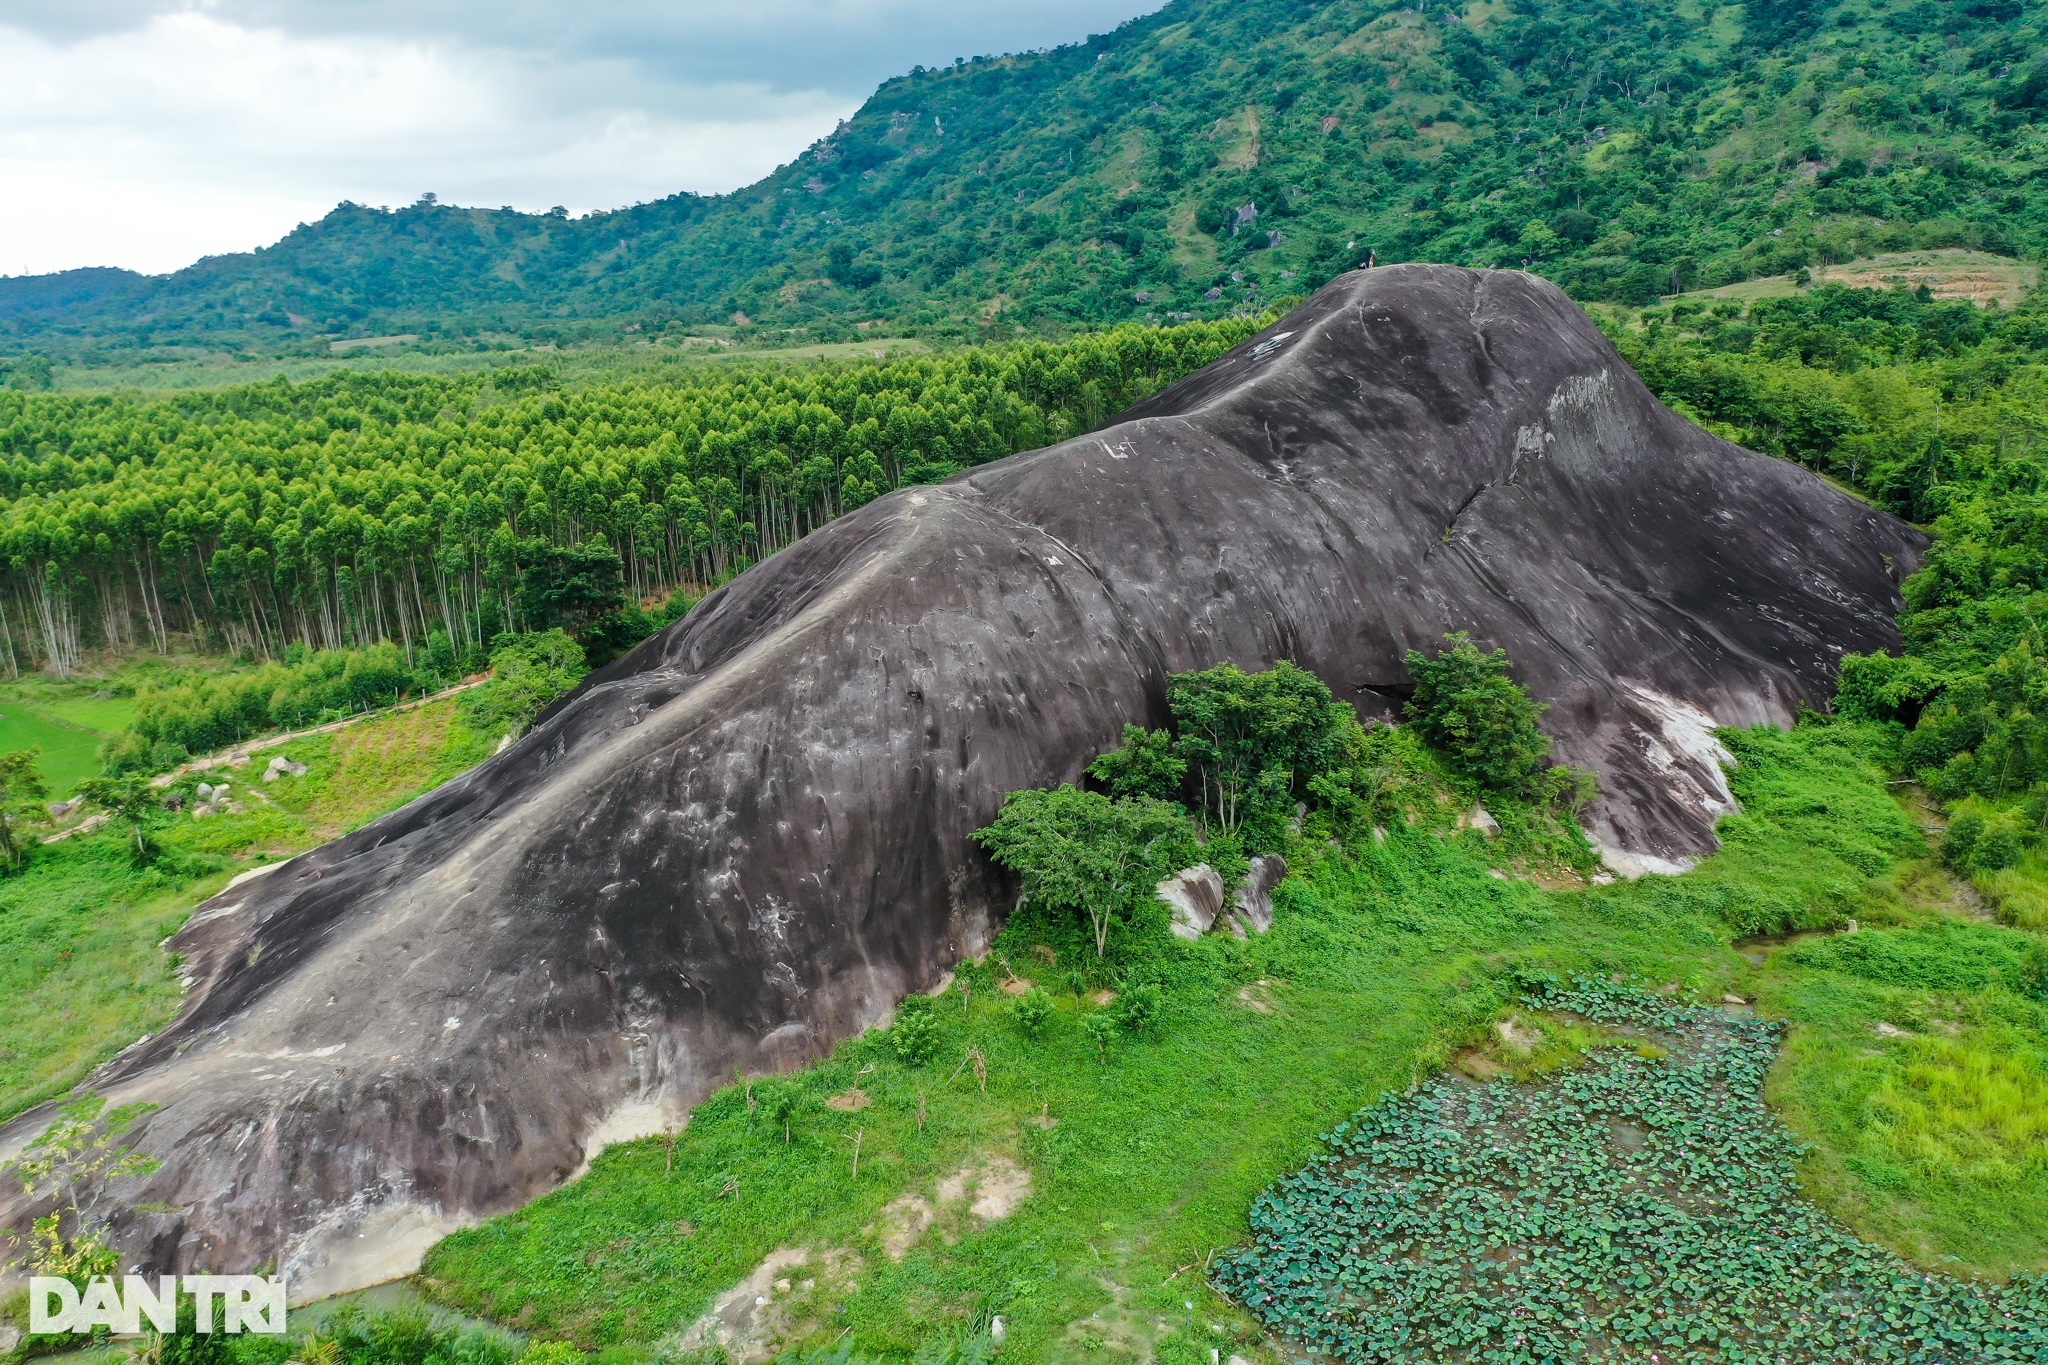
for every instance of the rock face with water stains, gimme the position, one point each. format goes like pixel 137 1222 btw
pixel 747 838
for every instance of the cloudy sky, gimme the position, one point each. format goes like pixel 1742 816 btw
pixel 148 133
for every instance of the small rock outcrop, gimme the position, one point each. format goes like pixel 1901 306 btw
pixel 283 767
pixel 1251 908
pixel 1194 895
pixel 747 838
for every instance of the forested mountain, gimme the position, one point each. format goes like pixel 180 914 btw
pixel 1211 155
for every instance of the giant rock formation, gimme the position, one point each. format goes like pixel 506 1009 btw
pixel 748 838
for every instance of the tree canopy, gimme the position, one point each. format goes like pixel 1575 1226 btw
pixel 354 511
pixel 1082 851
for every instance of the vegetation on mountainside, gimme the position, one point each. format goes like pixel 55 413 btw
pixel 1940 411
pixel 1914 1070
pixel 1211 154
pixel 366 510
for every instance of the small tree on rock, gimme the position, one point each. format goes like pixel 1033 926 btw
pixel 1252 737
pixel 70 1165
pixel 1466 706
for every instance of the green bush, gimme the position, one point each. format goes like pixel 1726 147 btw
pixel 198 712
pixel 1959 841
pixel 915 1034
pixel 1033 1012
pixel 551 1353
pixel 780 1101
pixel 528 672
pixel 1467 707
pixel 1997 848
pixel 1137 1007
pixel 1101 1029
pixel 2030 978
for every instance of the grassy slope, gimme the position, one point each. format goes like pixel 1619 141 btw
pixel 81 973
pixel 67 721
pixel 1922 1086
pixel 1384 961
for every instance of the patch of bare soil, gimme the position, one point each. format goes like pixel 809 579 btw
pixel 785 1298
pixel 985 1191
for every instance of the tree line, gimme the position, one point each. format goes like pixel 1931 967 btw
pixel 359 510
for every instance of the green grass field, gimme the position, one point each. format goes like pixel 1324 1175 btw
pixel 67 721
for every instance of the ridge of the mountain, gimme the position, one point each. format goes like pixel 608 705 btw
pixel 1212 156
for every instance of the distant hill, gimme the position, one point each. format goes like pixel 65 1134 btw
pixel 27 295
pixel 1216 154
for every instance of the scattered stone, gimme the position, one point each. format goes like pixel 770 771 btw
pixel 1481 819
pixel 60 809
pixel 1195 896
pixel 1733 1000
pixel 1885 1030
pixel 283 767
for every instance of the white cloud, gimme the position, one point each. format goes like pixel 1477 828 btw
pixel 146 134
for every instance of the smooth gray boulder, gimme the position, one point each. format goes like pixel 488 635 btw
pixel 1194 897
pixel 748 838
pixel 1251 905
